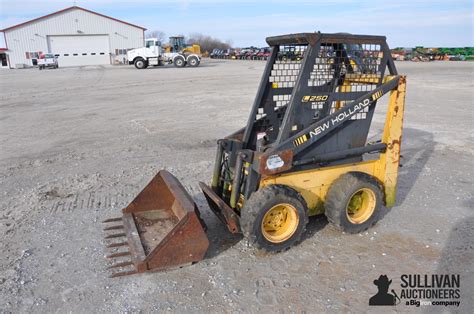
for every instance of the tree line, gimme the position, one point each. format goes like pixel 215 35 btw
pixel 207 43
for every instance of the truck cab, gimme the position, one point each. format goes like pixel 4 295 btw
pixel 154 45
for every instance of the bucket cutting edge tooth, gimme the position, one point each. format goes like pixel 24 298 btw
pixel 118 244
pixel 117 235
pixel 119 254
pixel 124 273
pixel 114 228
pixel 112 220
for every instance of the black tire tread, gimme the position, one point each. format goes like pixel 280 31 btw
pixel 337 195
pixel 255 203
pixel 179 66
pixel 140 59
pixel 195 58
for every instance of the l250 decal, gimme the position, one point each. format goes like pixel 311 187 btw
pixel 314 98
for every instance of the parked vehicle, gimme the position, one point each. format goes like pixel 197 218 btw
pixel 236 53
pixel 249 54
pixel 457 58
pixel 293 53
pixel 47 60
pixel 220 54
pixel 263 54
pixel 153 54
pixel 228 53
pixel 213 54
pixel 244 53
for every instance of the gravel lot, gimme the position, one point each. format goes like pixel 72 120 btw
pixel 78 143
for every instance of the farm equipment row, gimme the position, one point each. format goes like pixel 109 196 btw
pixel 251 53
pixel 422 54
pixel 400 54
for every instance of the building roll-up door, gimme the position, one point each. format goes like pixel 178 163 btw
pixel 77 50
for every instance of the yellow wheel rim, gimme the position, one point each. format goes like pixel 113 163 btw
pixel 280 223
pixel 361 206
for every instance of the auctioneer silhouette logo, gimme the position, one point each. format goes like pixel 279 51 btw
pixel 382 297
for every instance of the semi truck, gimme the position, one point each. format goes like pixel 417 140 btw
pixel 154 54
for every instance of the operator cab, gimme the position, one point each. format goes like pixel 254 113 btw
pixel 177 43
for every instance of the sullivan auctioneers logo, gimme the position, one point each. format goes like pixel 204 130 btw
pixel 419 290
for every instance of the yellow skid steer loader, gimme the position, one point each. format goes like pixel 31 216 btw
pixel 303 152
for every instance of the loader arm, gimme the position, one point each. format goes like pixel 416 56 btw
pixel 315 132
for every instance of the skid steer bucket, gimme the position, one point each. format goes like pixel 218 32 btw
pixel 160 229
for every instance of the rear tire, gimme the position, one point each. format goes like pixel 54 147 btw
pixel 274 218
pixel 354 201
pixel 193 61
pixel 140 64
pixel 179 62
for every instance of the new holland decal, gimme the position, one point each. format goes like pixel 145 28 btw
pixel 337 119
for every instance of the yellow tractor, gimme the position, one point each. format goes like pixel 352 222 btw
pixel 177 44
pixel 303 152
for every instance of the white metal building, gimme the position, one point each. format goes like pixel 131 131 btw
pixel 76 35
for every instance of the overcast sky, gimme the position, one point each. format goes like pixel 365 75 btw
pixel 432 23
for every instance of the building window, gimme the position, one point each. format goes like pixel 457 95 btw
pixel 120 52
pixel 32 55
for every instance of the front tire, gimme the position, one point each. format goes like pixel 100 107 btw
pixel 274 218
pixel 140 64
pixel 354 201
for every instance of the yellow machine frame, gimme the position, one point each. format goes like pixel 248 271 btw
pixel 314 184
